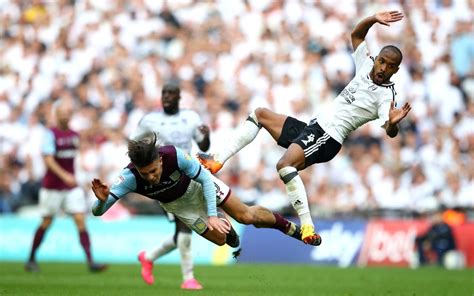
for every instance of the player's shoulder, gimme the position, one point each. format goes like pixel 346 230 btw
pixel 125 178
pixel 189 112
pixel 166 149
pixel 152 115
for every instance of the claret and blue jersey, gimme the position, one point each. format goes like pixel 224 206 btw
pixel 179 169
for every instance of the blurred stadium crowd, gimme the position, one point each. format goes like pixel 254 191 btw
pixel 229 57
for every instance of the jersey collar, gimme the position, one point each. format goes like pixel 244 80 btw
pixel 384 84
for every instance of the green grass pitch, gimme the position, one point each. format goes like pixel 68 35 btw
pixel 239 279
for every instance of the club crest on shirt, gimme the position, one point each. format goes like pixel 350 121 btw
pixel 373 87
pixel 175 176
pixel 119 180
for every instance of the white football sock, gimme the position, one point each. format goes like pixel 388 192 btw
pixel 297 193
pixel 167 246
pixel 241 137
pixel 184 247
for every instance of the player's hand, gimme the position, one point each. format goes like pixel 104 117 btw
pixel 396 115
pixel 387 17
pixel 221 226
pixel 101 190
pixel 70 180
pixel 204 129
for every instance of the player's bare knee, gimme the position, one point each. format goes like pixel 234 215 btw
pixel 216 237
pixel 290 161
pixel 220 242
pixel 283 163
pixel 260 113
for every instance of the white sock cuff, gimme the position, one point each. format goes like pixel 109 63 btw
pixel 253 118
pixel 287 174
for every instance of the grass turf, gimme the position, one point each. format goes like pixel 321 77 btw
pixel 240 279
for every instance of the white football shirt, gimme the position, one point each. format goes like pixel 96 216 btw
pixel 179 129
pixel 360 102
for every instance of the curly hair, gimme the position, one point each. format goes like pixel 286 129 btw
pixel 143 151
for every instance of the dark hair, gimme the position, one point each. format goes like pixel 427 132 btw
pixel 143 151
pixel 395 50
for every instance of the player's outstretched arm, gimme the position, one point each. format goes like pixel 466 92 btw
pixel 104 199
pixel 394 117
pixel 362 28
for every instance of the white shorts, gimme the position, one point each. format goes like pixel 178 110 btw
pixel 191 207
pixel 71 201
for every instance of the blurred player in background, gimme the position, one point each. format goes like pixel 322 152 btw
pixel 59 190
pixel 178 128
pixel 368 96
pixel 183 188
pixel 438 238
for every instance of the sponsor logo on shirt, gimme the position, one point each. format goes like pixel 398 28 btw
pixel 349 91
pixel 119 180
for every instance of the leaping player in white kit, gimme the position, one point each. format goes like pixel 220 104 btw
pixel 368 96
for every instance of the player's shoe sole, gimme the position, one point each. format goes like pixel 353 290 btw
pixel 95 267
pixel 147 268
pixel 308 236
pixel 208 161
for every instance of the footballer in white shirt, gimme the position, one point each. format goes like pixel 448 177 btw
pixel 369 95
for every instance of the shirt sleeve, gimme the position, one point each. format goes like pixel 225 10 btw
pixel 360 55
pixel 192 168
pixel 384 108
pixel 48 146
pixel 197 135
pixel 124 184
pixel 143 127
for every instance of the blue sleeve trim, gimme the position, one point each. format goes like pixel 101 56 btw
pixel 114 196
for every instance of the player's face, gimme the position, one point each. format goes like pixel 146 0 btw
pixel 385 65
pixel 63 115
pixel 170 99
pixel 152 172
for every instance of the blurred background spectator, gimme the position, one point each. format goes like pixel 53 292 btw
pixel 113 57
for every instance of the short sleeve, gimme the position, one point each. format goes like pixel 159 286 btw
pixel 196 122
pixel 360 55
pixel 384 108
pixel 48 146
pixel 125 183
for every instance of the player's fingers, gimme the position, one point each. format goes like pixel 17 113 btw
pixel 226 227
